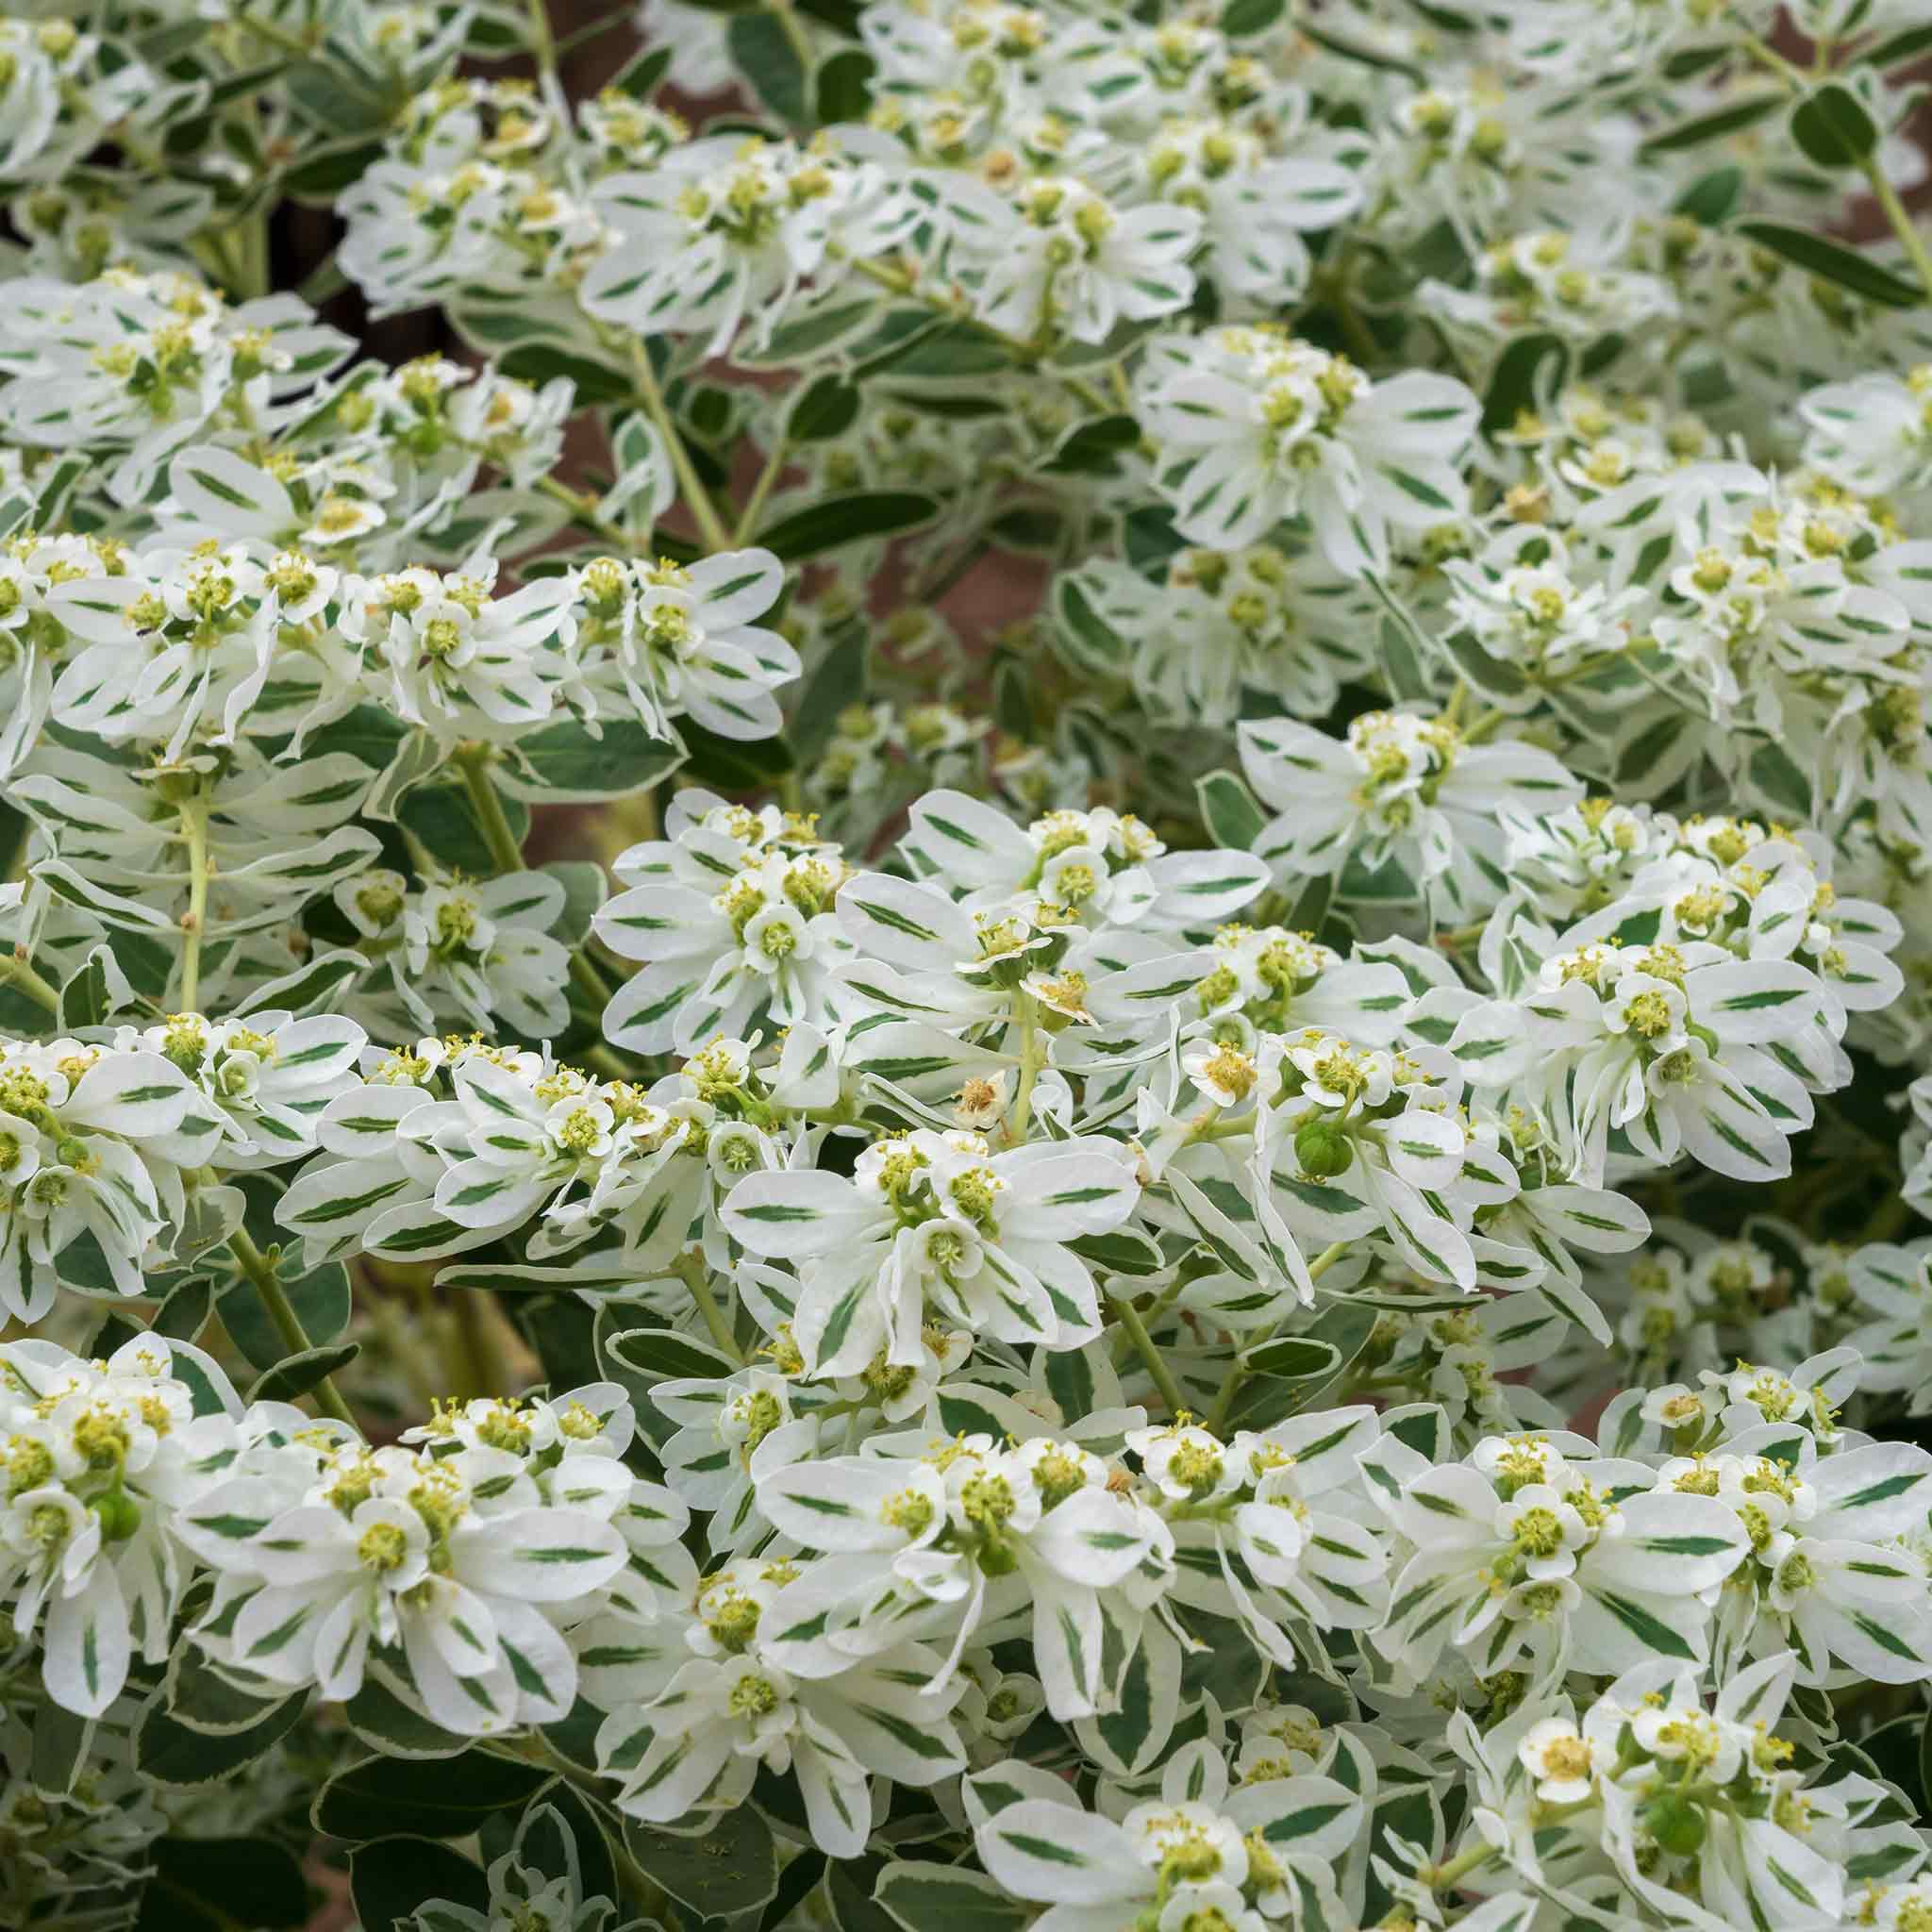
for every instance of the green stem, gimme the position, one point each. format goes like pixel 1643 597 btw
pixel 1238 1370
pixel 542 42
pixel 583 509
pixel 299 48
pixel 1125 1314
pixel 261 1273
pixel 194 831
pixel 795 32
pixel 1032 353
pixel 472 761
pixel 1902 224
pixel 15 971
pixel 1441 1878
pixel 1797 82
pixel 1021 1118
pixel 691 1271
pixel 582 36
pixel 755 503
pixel 697 498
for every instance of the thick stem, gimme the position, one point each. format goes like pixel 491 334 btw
pixel 697 498
pixel 1453 1871
pixel 194 831
pixel 1902 224
pixel 16 972
pixel 499 835
pixel 542 41
pixel 1137 1333
pixel 691 1271
pixel 1031 1053
pixel 281 1311
pixel 472 761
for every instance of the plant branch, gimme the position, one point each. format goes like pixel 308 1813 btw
pixel 261 1272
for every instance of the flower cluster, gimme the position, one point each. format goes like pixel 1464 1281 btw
pixel 966 964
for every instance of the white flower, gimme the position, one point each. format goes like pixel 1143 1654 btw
pixel 1252 426
pixel 1558 1756
pixel 1057 256
pixel 937 1223
pixel 727 227
pixel 664 640
pixel 1400 789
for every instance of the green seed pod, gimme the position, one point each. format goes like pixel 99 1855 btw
pixel 997 1557
pixel 1322 1148
pixel 120 1515
pixel 1676 1825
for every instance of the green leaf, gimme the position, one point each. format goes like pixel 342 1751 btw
pixel 539 362
pixel 1829 262
pixel 732 1868
pixel 186 1311
pixel 1029 527
pixel 1085 637
pixel 841 16
pixel 1512 388
pixel 585 888
pixel 1712 199
pixel 294 1375
pixel 59 1748
pixel 389 1879
pixel 216 1884
pixel 328 169
pixel 763 53
pixel 1907 44
pixel 379 1796
pixel 1293 1359
pixel 1714 125
pixel 561 1823
pixel 320 1299
pixel 444 818
pixel 640 75
pixel 386 1724
pixel 664 1355
pixel 1229 810
pixel 1893 1751
pixel 1777 776
pixel 848 1891
pixel 1240 19
pixel 1830 124
pixel 921 345
pixel 948 1898
pixel 813 332
pixel 839 681
pixel 564 764
pixel 1091 448
pixel 174 1754
pixel 826 408
pixel 734 764
pixel 368 732
pixel 844 85
pixel 84 993
pixel 841 519
pixel 1120 1251
pixel 1149 538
